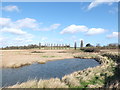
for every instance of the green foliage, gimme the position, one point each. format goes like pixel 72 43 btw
pixel 85 55
pixel 75 46
pixel 89 45
pixel 81 43
pixel 90 49
pixel 37 52
pixel 48 56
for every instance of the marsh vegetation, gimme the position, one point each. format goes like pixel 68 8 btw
pixel 103 76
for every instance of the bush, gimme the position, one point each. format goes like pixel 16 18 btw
pixel 90 49
pixel 37 52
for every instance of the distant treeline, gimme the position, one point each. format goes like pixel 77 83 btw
pixel 110 46
pixel 61 46
pixel 31 46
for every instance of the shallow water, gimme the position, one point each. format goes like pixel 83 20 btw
pixel 51 69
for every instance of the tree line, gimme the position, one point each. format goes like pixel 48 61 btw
pixel 32 46
pixel 62 46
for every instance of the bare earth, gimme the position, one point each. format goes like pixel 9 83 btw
pixel 18 58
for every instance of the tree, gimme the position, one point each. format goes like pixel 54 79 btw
pixel 81 44
pixel 39 45
pixel 98 45
pixel 89 45
pixel 75 46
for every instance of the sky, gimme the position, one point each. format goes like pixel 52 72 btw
pixel 24 23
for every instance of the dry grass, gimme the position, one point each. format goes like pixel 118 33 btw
pixel 18 58
pixel 51 83
pixel 70 80
pixel 86 55
pixel 90 77
pixel 28 84
pixel 93 77
pixel 42 62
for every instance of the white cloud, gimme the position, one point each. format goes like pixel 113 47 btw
pixel 17 29
pixel 113 10
pixel 61 40
pixel 98 2
pixel 1 39
pixel 94 31
pixel 26 23
pixel 44 38
pixel 23 40
pixel 113 35
pixel 22 23
pixel 81 28
pixel 5 21
pixel 14 31
pixel 10 8
pixel 74 29
pixel 52 27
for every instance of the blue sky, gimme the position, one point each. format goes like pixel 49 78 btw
pixel 61 22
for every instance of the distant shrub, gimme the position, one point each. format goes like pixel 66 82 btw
pixel 62 52
pixel 91 49
pixel 37 52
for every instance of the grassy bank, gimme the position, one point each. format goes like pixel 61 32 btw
pixel 105 75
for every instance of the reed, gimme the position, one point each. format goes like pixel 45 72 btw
pixel 51 83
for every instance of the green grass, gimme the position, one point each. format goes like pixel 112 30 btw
pixel 93 81
pixel 48 56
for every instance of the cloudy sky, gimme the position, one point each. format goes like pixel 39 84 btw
pixel 61 22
